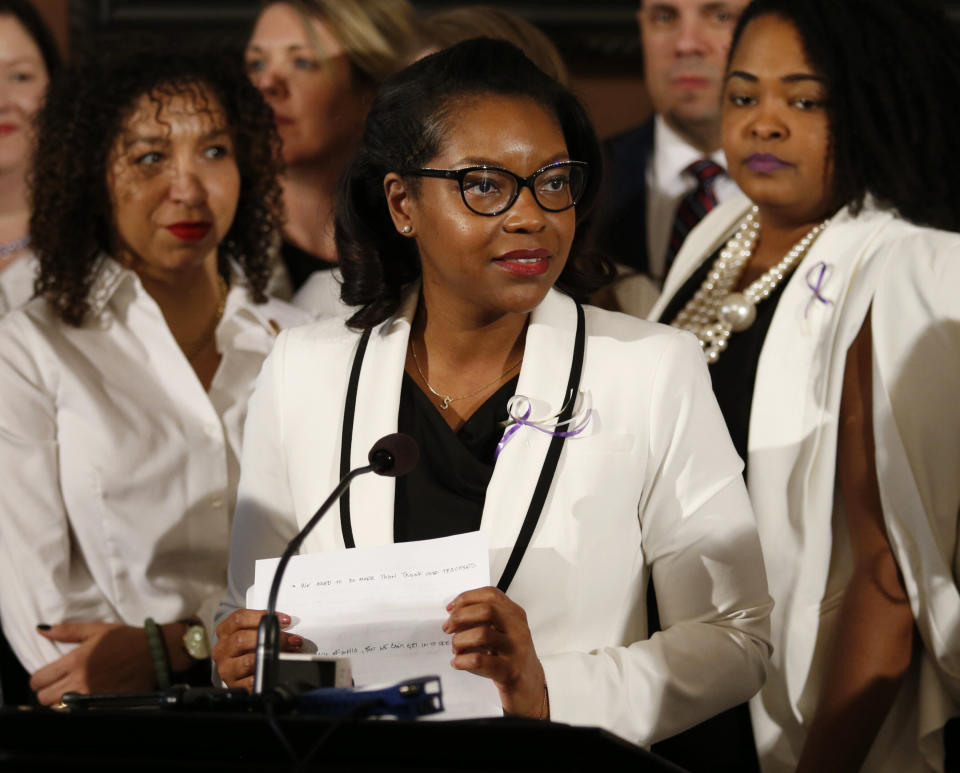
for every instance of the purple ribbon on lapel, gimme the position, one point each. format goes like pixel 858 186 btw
pixel 519 403
pixel 822 271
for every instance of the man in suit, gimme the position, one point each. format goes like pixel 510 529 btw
pixel 685 44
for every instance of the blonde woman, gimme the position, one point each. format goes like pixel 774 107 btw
pixel 454 25
pixel 318 64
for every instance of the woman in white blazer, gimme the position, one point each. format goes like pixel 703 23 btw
pixel 455 226
pixel 826 314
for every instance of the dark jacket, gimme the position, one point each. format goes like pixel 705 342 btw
pixel 620 219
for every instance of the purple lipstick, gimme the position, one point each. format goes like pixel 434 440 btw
pixel 765 163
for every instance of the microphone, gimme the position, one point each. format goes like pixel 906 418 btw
pixel 392 456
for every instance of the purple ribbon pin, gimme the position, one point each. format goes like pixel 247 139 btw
pixel 519 410
pixel 822 271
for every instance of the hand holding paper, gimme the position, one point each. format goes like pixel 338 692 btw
pixel 492 639
pixel 384 608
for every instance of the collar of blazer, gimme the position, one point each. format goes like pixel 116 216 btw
pixel 543 378
pixel 814 322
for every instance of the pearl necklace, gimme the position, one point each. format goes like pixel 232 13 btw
pixel 716 312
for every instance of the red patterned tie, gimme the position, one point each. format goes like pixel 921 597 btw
pixel 693 206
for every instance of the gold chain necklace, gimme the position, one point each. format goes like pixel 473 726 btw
pixel 447 399
pixel 194 349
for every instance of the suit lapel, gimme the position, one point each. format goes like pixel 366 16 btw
pixel 792 452
pixel 792 361
pixel 543 379
pixel 378 405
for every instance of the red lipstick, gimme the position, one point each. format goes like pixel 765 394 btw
pixel 192 231
pixel 524 262
pixel 7 128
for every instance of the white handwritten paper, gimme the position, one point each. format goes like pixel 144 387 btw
pixel 383 608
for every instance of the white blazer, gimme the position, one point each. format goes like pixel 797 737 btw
pixel 910 275
pixel 320 295
pixel 653 483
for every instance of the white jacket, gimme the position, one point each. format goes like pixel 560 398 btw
pixel 652 483
pixel 911 275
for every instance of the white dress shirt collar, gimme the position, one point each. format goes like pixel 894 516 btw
pixel 16 283
pixel 672 154
pixel 107 293
pixel 667 183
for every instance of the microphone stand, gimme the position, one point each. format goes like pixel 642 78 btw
pixel 268 632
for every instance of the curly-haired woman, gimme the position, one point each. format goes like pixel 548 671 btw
pixel 125 384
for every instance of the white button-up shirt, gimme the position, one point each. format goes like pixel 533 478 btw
pixel 120 470
pixel 668 182
pixel 16 283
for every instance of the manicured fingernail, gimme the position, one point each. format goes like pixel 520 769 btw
pixel 450 605
pixel 446 627
pixel 284 620
pixel 43 627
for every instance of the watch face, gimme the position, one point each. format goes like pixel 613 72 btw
pixel 195 642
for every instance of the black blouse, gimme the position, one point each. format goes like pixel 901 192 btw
pixel 444 494
pixel 724 742
pixel 300 263
pixel 735 372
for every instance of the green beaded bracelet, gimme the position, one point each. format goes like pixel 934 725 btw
pixel 158 651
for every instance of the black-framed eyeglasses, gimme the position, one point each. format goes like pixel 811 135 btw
pixel 491 190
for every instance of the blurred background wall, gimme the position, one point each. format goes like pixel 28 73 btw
pixel 598 38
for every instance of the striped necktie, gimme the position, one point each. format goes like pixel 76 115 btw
pixel 693 206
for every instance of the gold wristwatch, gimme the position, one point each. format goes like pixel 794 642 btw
pixel 195 640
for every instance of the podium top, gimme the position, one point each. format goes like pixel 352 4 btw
pixel 154 739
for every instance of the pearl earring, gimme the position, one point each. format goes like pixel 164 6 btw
pixel 406 229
